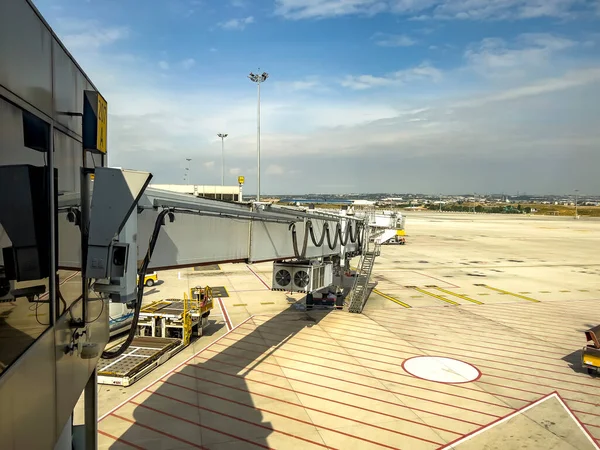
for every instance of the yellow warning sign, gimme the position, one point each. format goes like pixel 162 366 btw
pixel 102 124
pixel 95 122
pixel 240 180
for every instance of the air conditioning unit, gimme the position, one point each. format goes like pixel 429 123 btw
pixel 302 276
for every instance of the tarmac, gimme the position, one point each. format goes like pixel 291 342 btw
pixel 471 340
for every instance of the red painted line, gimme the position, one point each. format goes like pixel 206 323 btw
pixel 397 332
pixel 397 365
pixel 450 444
pixel 504 386
pixel 318 396
pixel 169 372
pixel 437 279
pixel 259 277
pixel 316 425
pixel 510 387
pixel 519 317
pixel 383 390
pixel 230 417
pixel 121 440
pixel 307 395
pixel 548 316
pixel 461 329
pixel 347 330
pixel 148 427
pixel 488 345
pixel 300 405
pixel 438 346
pixel 225 314
pixel 206 427
pixel 444 352
pixel 330 367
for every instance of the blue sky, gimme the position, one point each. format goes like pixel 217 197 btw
pixel 363 95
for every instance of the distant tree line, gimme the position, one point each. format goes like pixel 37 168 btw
pixel 482 209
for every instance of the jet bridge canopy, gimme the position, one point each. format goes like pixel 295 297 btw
pixel 205 231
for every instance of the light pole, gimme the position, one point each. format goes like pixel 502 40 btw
pixel 186 174
pixel 576 191
pixel 222 136
pixel 256 78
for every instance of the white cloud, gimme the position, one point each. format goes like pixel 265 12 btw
pixel 306 84
pixel 426 9
pixel 394 40
pixel 496 57
pixel 236 24
pixel 423 72
pixel 318 9
pixel 89 35
pixel 188 63
pixel 212 50
pixel 163 65
pixel 274 169
pixel 550 115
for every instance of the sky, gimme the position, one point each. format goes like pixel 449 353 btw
pixel 428 96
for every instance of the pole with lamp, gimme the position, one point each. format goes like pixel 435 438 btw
pixel 258 79
pixel 222 136
pixel 576 192
pixel 186 174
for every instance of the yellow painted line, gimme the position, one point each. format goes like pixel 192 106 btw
pixel 240 304
pixel 525 292
pixel 464 297
pixel 416 296
pixel 545 292
pixel 502 291
pixel 584 290
pixel 395 300
pixel 483 293
pixel 565 291
pixel 439 297
pixel 267 303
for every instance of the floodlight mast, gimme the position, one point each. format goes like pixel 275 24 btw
pixel 258 79
pixel 222 136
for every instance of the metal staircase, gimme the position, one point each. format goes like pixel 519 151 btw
pixel 360 290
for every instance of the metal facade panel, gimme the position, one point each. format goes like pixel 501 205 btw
pixel 67 159
pixel 27 390
pixel 69 84
pixel 72 372
pixel 12 150
pixel 193 240
pixel 25 55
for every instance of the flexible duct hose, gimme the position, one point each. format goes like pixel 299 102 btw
pixel 140 292
pixel 297 253
pixel 352 234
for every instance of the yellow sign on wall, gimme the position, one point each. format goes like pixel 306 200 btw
pixel 102 124
pixel 95 122
pixel 240 180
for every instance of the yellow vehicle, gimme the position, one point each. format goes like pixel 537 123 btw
pixel 201 299
pixel 590 356
pixel 150 279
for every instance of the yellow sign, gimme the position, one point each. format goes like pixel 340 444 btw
pixel 95 122
pixel 240 180
pixel 102 124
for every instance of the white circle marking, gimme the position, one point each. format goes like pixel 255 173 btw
pixel 442 370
